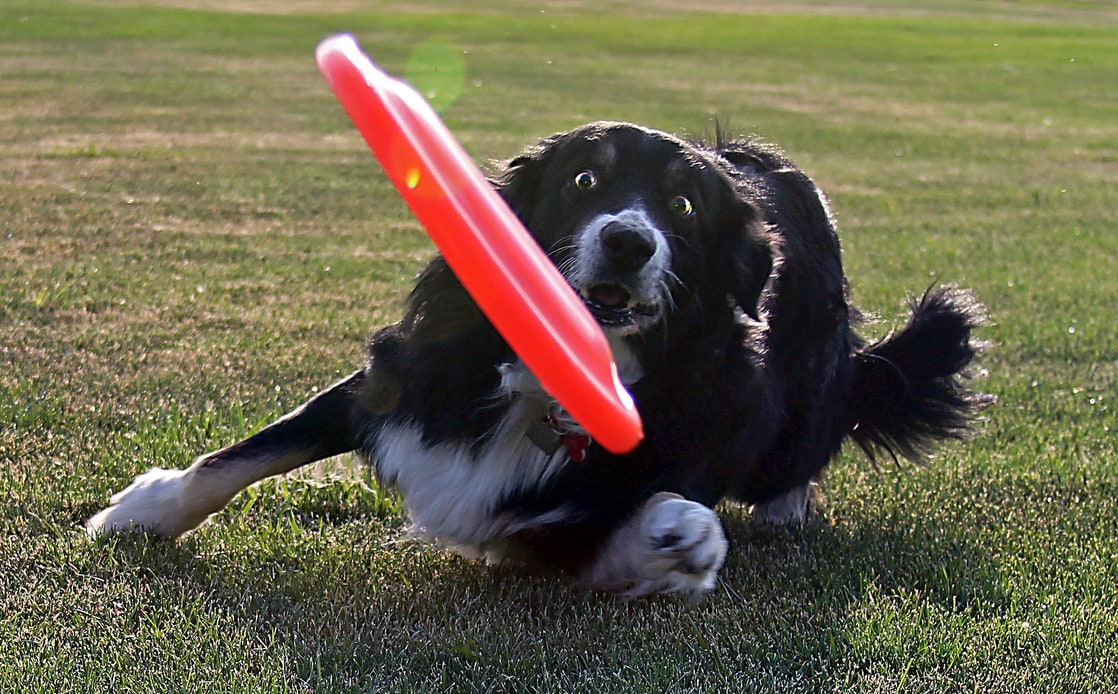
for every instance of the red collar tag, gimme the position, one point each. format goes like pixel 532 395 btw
pixel 575 440
pixel 576 445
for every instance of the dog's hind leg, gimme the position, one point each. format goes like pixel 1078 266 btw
pixel 788 509
pixel 168 503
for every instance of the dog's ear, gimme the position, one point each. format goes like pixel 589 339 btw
pixel 746 257
pixel 519 183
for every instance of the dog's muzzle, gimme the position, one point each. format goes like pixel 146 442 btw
pixel 611 304
pixel 622 259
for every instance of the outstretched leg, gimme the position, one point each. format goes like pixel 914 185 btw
pixel 168 503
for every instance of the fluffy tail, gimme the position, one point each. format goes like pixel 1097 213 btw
pixel 908 393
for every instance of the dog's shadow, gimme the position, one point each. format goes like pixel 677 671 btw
pixel 829 564
pixel 792 593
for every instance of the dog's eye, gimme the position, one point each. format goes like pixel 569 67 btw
pixel 682 206
pixel 585 180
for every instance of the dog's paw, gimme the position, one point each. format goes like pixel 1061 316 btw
pixel 684 546
pixel 156 503
pixel 670 545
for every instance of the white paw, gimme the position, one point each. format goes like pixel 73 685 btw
pixel 156 503
pixel 684 546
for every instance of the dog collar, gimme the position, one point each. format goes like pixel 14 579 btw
pixel 551 432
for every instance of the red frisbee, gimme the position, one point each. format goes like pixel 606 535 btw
pixel 483 241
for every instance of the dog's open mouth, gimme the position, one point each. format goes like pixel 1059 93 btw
pixel 612 304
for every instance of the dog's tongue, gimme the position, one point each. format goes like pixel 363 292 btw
pixel 611 296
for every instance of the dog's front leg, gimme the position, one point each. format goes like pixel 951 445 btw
pixel 168 503
pixel 670 545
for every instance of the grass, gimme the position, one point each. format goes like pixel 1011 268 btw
pixel 195 239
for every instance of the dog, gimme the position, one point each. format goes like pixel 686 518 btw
pixel 715 272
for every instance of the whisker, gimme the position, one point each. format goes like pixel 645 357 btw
pixel 566 243
pixel 685 242
pixel 569 267
pixel 667 297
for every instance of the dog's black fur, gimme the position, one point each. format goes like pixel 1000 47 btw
pixel 743 360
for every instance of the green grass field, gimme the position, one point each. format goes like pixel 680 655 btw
pixel 193 239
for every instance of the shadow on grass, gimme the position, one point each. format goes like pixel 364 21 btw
pixel 903 552
pixel 349 600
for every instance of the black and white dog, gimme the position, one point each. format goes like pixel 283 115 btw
pixel 716 274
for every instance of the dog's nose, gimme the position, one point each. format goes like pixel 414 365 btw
pixel 627 247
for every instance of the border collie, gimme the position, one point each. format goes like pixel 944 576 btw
pixel 715 272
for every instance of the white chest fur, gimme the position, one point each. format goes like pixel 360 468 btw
pixel 452 489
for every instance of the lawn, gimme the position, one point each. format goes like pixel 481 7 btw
pixel 193 239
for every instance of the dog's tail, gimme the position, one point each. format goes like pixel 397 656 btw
pixel 908 390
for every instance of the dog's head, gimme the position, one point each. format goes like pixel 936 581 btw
pixel 642 224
